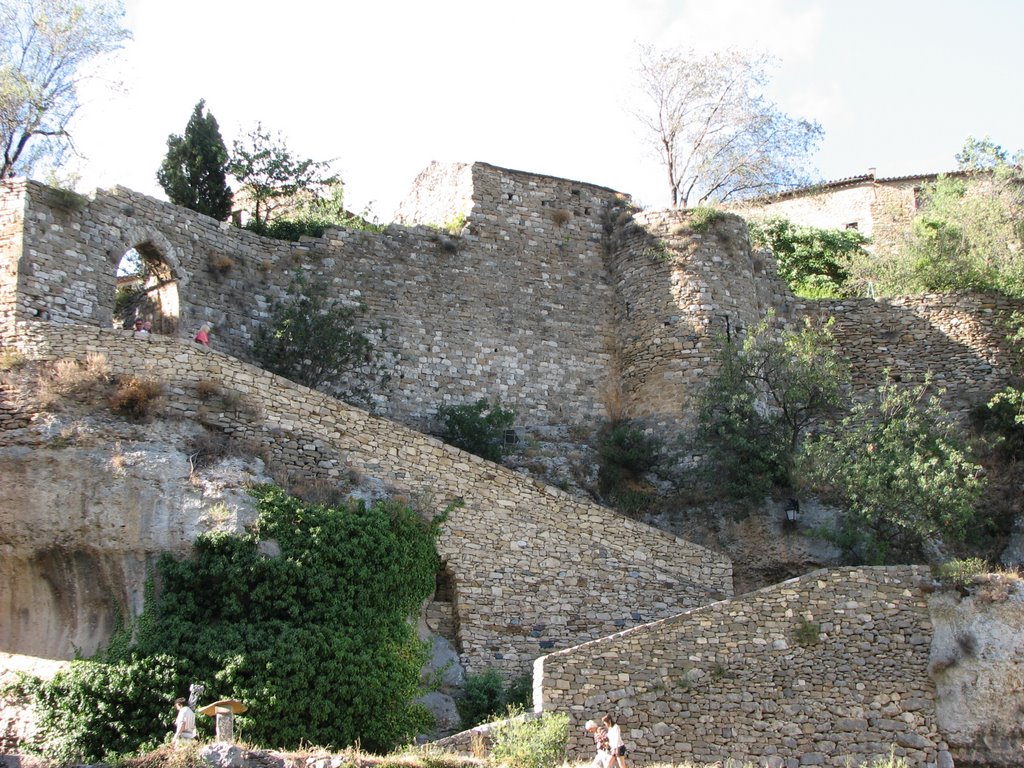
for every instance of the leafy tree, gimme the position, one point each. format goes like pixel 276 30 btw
pixel 316 638
pixel 756 409
pixel 313 215
pixel 716 133
pixel 311 338
pixel 813 261
pixel 44 47
pixel 968 233
pixel 901 472
pixel 272 177
pixel 194 171
pixel 984 154
pixel 478 427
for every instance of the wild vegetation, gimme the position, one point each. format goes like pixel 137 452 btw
pixel 305 618
pixel 314 339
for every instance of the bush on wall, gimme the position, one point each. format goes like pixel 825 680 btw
pixel 478 428
pixel 313 339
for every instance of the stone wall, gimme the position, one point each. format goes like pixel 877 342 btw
pixel 679 291
pixel 960 338
pixel 532 568
pixel 517 306
pixel 11 216
pixel 830 668
pixel 552 298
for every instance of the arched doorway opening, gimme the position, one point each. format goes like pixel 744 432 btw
pixel 146 291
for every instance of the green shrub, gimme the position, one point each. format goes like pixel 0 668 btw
pixel 702 217
pixel 813 261
pixel 486 696
pixel 808 632
pixel 313 339
pixel 961 574
pixel 528 741
pixel 900 469
pixel 315 639
pixel 478 428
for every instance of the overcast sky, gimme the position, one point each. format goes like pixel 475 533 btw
pixel 386 86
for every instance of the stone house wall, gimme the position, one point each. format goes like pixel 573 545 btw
pixel 830 668
pixel 531 567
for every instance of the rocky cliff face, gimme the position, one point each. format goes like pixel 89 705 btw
pixel 86 506
pixel 977 662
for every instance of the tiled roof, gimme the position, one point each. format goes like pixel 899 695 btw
pixel 849 181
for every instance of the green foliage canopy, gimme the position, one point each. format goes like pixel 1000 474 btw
pixel 272 176
pixel 477 427
pixel 968 233
pixel 755 410
pixel 813 261
pixel 901 471
pixel 194 171
pixel 316 640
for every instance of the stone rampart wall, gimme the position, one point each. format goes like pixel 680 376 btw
pixel 680 291
pixel 518 306
pixel 533 568
pixel 11 214
pixel 552 298
pixel 830 668
pixel 959 338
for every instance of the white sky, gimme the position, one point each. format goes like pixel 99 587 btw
pixel 387 86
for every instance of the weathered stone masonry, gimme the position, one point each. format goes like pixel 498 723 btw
pixel 533 568
pixel 553 298
pixel 830 668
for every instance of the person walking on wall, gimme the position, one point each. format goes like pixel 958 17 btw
pixel 615 743
pixel 603 757
pixel 185 722
pixel 203 335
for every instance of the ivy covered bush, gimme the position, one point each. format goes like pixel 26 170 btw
pixel 304 619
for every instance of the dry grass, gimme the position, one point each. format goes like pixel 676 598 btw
pixel 137 398
pixel 207 388
pixel 561 217
pixel 73 380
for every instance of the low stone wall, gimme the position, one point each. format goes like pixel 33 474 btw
pixel 532 568
pixel 830 668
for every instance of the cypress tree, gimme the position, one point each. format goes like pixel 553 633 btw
pixel 194 171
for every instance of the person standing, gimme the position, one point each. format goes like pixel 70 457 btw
pixel 615 743
pixel 604 755
pixel 185 722
pixel 203 335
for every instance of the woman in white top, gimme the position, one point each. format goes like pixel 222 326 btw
pixel 615 742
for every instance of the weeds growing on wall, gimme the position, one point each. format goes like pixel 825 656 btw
pixel 313 634
pixel 626 451
pixel 479 428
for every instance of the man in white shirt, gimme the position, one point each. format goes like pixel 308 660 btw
pixel 185 723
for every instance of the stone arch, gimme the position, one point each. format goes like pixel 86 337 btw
pixel 156 295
